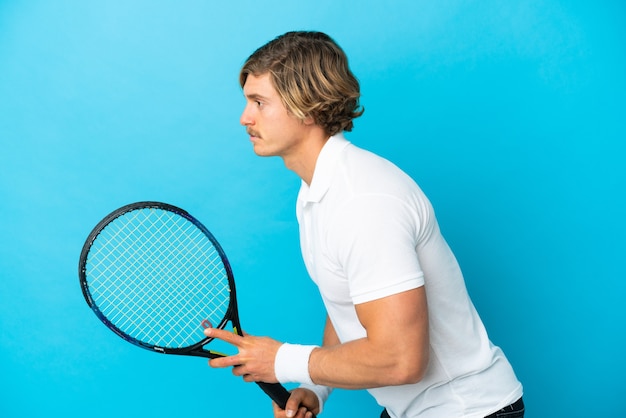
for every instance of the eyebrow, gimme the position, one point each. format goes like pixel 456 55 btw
pixel 255 96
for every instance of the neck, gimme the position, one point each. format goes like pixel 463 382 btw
pixel 302 162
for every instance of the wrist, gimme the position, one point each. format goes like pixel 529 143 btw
pixel 292 363
pixel 322 393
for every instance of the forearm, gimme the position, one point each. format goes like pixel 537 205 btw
pixel 361 364
pixel 321 391
pixel 330 336
pixel 328 364
pixel 393 352
pixel 385 356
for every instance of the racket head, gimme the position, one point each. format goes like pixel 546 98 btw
pixel 152 273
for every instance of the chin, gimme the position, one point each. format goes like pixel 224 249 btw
pixel 263 152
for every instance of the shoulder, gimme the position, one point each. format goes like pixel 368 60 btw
pixel 363 176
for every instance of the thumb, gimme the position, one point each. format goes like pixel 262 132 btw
pixel 301 403
pixel 294 403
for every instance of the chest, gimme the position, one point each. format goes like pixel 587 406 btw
pixel 320 259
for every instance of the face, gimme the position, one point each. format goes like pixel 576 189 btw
pixel 273 130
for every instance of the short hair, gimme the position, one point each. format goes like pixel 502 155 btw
pixel 311 75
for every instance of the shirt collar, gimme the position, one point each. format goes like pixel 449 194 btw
pixel 325 166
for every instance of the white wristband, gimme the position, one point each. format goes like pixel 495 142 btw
pixel 292 363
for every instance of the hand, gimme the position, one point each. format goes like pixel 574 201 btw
pixel 302 403
pixel 255 358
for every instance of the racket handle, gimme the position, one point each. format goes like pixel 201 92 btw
pixel 277 392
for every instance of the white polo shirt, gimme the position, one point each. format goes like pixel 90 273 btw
pixel 367 231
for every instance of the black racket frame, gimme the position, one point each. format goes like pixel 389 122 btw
pixel 275 391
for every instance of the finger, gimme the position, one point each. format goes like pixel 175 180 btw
pixel 228 361
pixel 223 335
pixel 293 403
pixel 278 411
pixel 301 412
pixel 240 371
pixel 294 407
pixel 248 378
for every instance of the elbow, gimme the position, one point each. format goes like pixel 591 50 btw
pixel 410 371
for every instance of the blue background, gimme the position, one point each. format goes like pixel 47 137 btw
pixel 509 114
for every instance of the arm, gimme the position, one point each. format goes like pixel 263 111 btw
pixel 395 351
pixel 330 336
pixel 303 399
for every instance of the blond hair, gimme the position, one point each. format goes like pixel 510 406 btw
pixel 311 75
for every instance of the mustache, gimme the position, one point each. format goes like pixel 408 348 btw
pixel 252 132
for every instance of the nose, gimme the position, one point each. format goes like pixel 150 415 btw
pixel 246 117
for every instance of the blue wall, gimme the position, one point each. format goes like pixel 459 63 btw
pixel 510 115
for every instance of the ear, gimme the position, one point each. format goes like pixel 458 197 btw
pixel 308 120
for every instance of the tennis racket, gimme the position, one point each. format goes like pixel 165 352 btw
pixel 153 274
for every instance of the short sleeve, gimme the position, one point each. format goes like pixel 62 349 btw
pixel 374 240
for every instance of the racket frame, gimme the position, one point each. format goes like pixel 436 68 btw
pixel 275 391
pixel 196 349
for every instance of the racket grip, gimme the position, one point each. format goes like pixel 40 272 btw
pixel 277 392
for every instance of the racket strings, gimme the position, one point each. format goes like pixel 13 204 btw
pixel 155 276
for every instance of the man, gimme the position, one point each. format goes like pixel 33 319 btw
pixel 400 322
